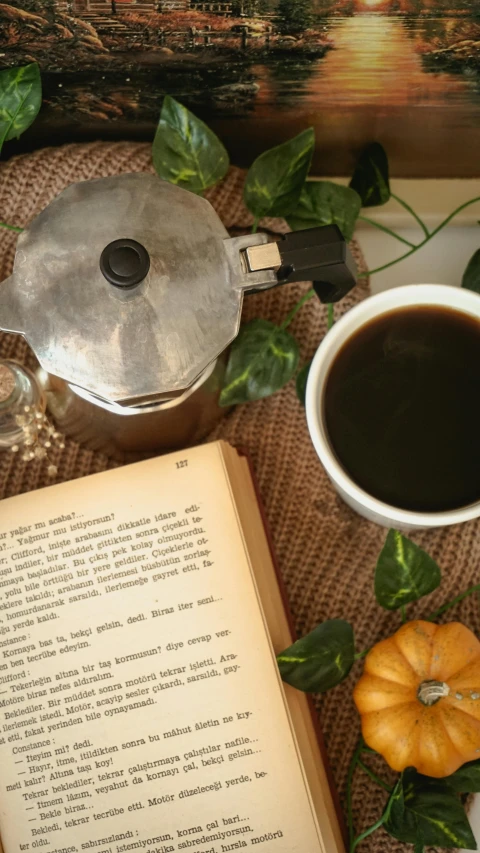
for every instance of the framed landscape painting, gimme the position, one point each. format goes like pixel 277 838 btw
pixel 405 73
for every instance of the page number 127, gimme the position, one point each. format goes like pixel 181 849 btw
pixel 182 464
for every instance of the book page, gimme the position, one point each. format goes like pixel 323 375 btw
pixel 140 702
pixel 302 713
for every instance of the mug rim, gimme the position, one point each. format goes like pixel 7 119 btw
pixel 456 298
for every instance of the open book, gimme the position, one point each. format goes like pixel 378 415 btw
pixel 141 705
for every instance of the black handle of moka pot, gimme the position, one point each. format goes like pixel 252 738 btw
pixel 320 255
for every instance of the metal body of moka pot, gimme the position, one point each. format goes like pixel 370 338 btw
pixel 129 291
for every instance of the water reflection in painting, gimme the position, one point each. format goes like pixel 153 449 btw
pixel 404 72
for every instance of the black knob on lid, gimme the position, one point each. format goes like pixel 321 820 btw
pixel 124 263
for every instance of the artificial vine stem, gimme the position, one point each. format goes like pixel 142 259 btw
pixel 374 776
pixel 386 230
pixel 360 655
pixel 255 225
pixel 11 227
pixel 423 242
pixel 356 841
pixel 452 603
pixel 412 212
pixel 396 261
pixel 383 819
pixel 301 302
pixel 451 216
pixel 403 613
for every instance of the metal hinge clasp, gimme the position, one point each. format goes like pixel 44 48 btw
pixel 319 254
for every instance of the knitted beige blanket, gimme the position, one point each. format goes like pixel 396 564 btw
pixel 326 553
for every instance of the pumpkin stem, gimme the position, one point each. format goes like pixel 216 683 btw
pixel 430 692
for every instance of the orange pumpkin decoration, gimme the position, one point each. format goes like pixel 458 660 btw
pixel 419 698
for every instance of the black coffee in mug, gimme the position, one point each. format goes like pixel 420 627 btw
pixel 402 408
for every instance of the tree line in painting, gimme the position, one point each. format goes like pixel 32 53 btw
pixel 208 48
pixel 53 34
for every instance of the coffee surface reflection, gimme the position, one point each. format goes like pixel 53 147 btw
pixel 402 408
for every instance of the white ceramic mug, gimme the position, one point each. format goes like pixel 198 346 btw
pixel 464 301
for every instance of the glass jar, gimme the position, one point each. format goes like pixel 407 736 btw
pixel 22 406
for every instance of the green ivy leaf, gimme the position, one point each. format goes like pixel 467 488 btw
pixel 466 780
pixel 301 382
pixel 398 822
pixel 185 151
pixel 370 178
pixel 262 360
pixel 471 276
pixel 404 572
pixel 326 203
pixel 429 809
pixel 275 180
pixel 20 100
pixel 320 660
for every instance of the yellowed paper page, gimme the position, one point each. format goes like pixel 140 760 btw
pixel 280 633
pixel 140 703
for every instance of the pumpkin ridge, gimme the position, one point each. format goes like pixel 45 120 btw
pixel 458 673
pixel 448 759
pixel 396 705
pixel 389 680
pixel 447 734
pixel 401 652
pixel 449 638
pixel 453 704
pixel 390 755
pixel 468 751
pixel 414 735
pixel 376 713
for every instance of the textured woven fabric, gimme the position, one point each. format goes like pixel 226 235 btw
pixel 326 553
